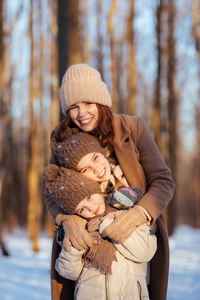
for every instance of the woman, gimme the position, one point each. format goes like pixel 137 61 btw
pixel 86 103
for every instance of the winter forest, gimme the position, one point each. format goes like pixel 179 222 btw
pixel 148 52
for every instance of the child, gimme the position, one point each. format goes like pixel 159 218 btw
pixel 107 270
pixel 76 147
pixel 83 152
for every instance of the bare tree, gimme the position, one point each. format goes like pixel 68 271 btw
pixel 68 36
pixel 157 108
pixel 196 26
pixel 196 168
pixel 172 109
pixel 132 92
pixel 114 71
pixel 74 37
pixel 54 108
pixel 34 207
pixel 99 48
pixel 2 167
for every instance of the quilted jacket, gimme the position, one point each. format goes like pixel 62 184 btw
pixel 128 278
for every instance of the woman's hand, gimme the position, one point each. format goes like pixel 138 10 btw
pixel 94 224
pixel 112 215
pixel 124 224
pixel 76 233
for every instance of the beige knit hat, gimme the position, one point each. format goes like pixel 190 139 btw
pixel 82 83
pixel 73 149
pixel 67 187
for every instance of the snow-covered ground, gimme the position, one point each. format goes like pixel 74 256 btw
pixel 25 275
pixel 184 275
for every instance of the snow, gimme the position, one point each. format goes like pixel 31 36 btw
pixel 184 275
pixel 26 275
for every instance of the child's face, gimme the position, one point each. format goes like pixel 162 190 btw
pixel 91 206
pixel 94 166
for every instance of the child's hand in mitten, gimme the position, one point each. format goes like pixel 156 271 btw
pixel 125 197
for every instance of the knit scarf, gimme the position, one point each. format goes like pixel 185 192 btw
pixel 102 255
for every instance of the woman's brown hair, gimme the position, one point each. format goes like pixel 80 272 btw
pixel 104 130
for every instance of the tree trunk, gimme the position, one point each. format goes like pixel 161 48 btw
pixel 54 108
pixel 172 111
pixel 114 72
pixel 99 48
pixel 7 156
pixel 156 116
pixel 2 169
pixel 40 126
pixel 132 92
pixel 196 169
pixel 196 25
pixel 74 38
pixel 68 36
pixel 196 175
pixel 34 207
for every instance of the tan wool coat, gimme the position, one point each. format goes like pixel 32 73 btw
pixel 143 167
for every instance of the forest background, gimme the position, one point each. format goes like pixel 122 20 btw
pixel 148 52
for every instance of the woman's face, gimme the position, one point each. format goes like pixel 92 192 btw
pixel 94 166
pixel 91 206
pixel 84 116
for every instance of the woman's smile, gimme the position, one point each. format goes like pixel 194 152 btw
pixel 85 116
pixel 86 121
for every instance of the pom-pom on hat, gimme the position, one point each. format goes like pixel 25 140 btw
pixel 67 187
pixel 82 83
pixel 73 149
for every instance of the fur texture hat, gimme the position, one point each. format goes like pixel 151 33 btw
pixel 82 83
pixel 74 148
pixel 67 187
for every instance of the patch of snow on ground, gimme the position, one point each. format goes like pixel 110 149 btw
pixel 184 275
pixel 24 274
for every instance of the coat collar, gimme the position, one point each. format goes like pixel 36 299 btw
pixel 120 129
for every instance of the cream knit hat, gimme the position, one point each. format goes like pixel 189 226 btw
pixel 67 187
pixel 82 83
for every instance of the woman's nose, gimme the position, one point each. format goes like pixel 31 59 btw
pixel 81 111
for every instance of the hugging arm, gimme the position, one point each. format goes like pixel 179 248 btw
pixel 124 224
pixel 148 170
pixel 160 184
pixel 140 246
